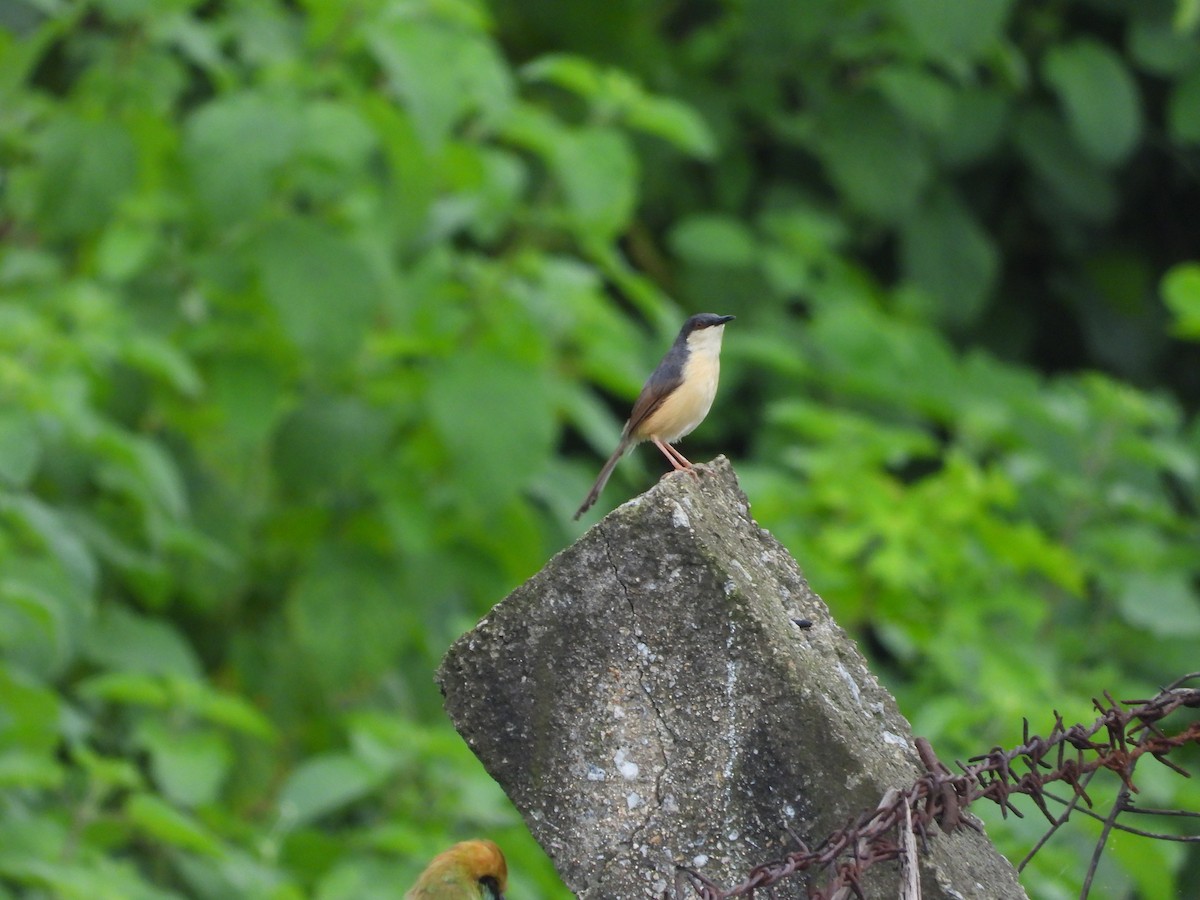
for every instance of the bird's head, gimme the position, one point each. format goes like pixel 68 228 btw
pixel 703 332
pixel 700 321
pixel 472 870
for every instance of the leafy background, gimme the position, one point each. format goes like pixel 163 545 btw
pixel 316 318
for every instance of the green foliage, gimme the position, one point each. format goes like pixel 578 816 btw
pixel 1181 293
pixel 1099 97
pixel 308 312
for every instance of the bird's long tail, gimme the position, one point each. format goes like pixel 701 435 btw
pixel 602 478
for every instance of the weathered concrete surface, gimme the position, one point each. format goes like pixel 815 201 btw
pixel 647 702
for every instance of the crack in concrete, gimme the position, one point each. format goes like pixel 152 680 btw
pixel 661 720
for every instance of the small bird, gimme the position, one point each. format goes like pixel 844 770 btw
pixel 675 398
pixel 472 870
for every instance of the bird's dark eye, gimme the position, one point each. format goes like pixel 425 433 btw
pixel 491 888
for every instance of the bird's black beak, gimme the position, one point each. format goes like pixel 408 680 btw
pixel 725 319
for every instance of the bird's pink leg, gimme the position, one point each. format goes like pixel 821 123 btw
pixel 674 457
pixel 677 459
pixel 692 470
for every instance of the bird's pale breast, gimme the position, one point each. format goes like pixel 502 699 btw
pixel 687 406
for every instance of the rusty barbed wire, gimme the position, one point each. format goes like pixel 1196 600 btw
pixel 1125 732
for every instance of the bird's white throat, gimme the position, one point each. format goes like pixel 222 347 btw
pixel 706 341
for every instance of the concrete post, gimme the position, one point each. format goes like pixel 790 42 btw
pixel 648 701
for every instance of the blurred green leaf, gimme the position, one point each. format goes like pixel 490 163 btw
pixel 189 765
pixel 673 121
pixel 28 840
pixel 1079 182
pixel 44 615
pixel 249 395
pixel 598 171
pixel 234 713
pixel 574 73
pixel 362 878
pixel 24 771
pixel 161 360
pixel 124 250
pixel 235 147
pixel 322 785
pixel 342 613
pixel 130 688
pixel 875 158
pixel 978 121
pixel 56 535
pixel 29 713
pixel 86 167
pixel 160 821
pixel 947 253
pixel 1187 14
pixel 956 32
pixel 614 94
pixel 143 469
pixel 146 571
pixel 1100 98
pixel 1163 603
pixel 921 97
pixel 20 447
pixel 328 442
pixel 1183 110
pixel 1158 46
pixel 491 460
pixel 337 134
pixel 472 79
pixel 714 240
pixel 125 641
pixel 321 287
pixel 1181 293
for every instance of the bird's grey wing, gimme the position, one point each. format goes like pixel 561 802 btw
pixel 662 382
